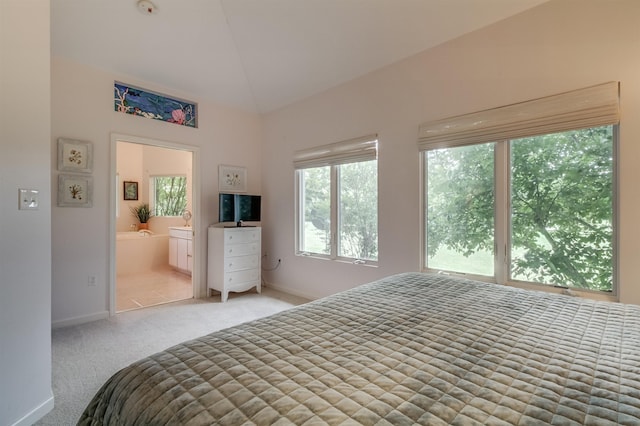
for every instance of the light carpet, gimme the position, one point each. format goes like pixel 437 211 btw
pixel 85 356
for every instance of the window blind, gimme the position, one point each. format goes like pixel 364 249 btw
pixel 589 107
pixel 349 151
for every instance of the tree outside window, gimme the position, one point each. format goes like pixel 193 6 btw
pixel 170 195
pixel 560 191
pixel 339 200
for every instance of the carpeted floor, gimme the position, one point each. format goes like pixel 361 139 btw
pixel 85 356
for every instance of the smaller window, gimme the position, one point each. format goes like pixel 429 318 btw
pixel 337 201
pixel 169 195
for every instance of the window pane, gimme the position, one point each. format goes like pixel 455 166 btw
pixel 170 195
pixel 358 214
pixel 562 209
pixel 460 209
pixel 315 232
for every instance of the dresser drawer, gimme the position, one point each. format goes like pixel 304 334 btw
pixel 239 235
pixel 239 263
pixel 232 279
pixel 232 250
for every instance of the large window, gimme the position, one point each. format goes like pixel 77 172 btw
pixel 536 209
pixel 169 195
pixel 338 201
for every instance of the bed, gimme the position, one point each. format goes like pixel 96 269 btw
pixel 408 349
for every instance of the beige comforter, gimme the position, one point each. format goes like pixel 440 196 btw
pixel 409 349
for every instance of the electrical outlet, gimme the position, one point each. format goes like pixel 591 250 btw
pixel 91 281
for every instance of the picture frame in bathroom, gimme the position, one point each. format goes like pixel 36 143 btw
pixel 75 156
pixel 75 191
pixel 130 190
pixel 232 179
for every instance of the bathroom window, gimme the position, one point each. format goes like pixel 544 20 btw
pixel 169 195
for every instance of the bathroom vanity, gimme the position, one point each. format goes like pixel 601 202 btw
pixel 181 248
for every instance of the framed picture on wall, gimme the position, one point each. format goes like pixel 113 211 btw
pixel 130 190
pixel 232 179
pixel 75 156
pixel 75 191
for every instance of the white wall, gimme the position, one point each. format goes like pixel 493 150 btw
pixel 559 46
pixel 130 169
pixel 138 163
pixel 82 108
pixel 25 236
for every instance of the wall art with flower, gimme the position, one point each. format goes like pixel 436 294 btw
pixel 75 191
pixel 133 100
pixel 232 179
pixel 75 156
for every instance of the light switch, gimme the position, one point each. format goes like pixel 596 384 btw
pixel 28 199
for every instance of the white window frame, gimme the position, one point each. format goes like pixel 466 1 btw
pixel 332 156
pixel 584 108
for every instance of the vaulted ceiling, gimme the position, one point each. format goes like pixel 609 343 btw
pixel 260 55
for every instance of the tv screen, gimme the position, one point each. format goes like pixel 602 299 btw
pixel 248 208
pixel 226 211
pixel 239 208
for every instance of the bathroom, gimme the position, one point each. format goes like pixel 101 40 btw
pixel 153 265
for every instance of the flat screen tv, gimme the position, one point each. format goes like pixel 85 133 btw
pixel 239 208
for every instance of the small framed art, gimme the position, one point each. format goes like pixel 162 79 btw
pixel 130 190
pixel 232 179
pixel 75 191
pixel 75 156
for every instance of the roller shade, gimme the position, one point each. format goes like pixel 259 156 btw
pixel 589 107
pixel 349 151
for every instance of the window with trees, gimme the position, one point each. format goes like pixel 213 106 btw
pixel 337 201
pixel 537 209
pixel 169 195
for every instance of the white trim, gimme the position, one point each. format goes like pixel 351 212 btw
pixel 290 291
pixel 199 230
pixel 37 413
pixel 80 319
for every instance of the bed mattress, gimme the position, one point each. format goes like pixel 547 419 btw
pixel 408 349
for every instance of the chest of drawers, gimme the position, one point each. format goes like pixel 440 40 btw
pixel 233 259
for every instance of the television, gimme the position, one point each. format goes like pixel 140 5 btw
pixel 239 208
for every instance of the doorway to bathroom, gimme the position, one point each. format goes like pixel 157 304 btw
pixel 153 204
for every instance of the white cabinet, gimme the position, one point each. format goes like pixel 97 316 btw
pixel 233 259
pixel 181 249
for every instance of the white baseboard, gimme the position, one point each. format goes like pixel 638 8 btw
pixel 290 291
pixel 80 320
pixel 37 413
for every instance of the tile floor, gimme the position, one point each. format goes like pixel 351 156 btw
pixel 135 291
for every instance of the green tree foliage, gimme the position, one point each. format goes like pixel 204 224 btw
pixel 460 199
pixel 317 207
pixel 171 195
pixel 359 210
pixel 561 206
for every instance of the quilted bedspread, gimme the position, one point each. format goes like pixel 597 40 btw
pixel 409 349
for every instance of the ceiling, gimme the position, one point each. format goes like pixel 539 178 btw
pixel 260 55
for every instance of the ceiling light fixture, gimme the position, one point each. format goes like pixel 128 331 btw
pixel 146 7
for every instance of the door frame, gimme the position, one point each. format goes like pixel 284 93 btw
pixel 196 275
